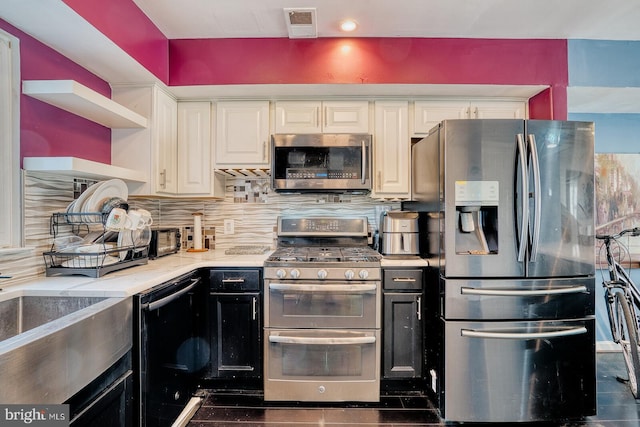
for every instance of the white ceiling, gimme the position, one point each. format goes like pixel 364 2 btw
pixel 555 19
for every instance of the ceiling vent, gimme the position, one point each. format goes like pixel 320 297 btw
pixel 301 23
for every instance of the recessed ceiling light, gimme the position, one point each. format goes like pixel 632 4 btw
pixel 348 25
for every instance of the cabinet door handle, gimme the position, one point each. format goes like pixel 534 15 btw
pixel 419 312
pixel 163 178
pixel 254 308
pixel 264 151
pixel 404 279
pixel 379 183
pixel 239 280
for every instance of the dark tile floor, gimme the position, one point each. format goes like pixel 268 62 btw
pixel 616 407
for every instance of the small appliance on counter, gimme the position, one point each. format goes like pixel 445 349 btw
pixel 399 233
pixel 164 241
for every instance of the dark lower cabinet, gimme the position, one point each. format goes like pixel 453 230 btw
pixel 107 401
pixel 403 331
pixel 235 315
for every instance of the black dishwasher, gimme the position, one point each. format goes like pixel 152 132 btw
pixel 172 347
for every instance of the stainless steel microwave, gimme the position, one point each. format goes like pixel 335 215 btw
pixel 321 162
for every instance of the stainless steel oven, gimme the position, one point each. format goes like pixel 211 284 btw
pixel 323 365
pixel 321 162
pixel 323 312
pixel 321 304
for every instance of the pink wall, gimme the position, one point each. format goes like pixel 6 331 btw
pixel 374 61
pixel 125 24
pixel 49 131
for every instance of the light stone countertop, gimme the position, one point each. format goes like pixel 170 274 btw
pixel 131 281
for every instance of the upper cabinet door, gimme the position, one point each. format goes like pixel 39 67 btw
pixel 498 110
pixel 194 148
pixel 298 117
pixel 392 150
pixel 427 114
pixel 167 143
pixel 242 134
pixel 345 117
pixel 322 117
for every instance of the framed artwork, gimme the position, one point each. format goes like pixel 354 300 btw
pixel 617 179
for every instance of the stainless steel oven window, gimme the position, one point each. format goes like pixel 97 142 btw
pixel 323 305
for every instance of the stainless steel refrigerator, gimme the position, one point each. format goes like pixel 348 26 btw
pixel 511 238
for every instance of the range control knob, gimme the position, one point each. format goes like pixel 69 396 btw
pixel 363 274
pixel 295 273
pixel 322 274
pixel 349 274
pixel 281 274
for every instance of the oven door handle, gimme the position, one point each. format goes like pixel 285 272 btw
pixel 524 336
pixel 321 341
pixel 323 288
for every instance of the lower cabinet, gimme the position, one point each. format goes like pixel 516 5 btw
pixel 403 330
pixel 107 401
pixel 235 313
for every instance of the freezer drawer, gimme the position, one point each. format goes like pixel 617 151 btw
pixel 503 299
pixel 517 371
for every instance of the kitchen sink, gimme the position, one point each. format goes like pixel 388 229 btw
pixel 53 344
pixel 25 312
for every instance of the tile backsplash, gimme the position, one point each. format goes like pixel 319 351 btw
pixel 249 203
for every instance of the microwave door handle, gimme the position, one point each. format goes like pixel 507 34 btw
pixel 363 178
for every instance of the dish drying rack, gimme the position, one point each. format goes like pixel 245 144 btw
pixel 109 258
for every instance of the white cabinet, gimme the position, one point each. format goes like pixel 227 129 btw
pixel 392 151
pixel 151 150
pixel 322 117
pixel 242 134
pixel 427 114
pixel 175 155
pixel 166 144
pixel 195 167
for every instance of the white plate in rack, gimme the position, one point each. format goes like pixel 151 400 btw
pixel 106 190
pixel 78 205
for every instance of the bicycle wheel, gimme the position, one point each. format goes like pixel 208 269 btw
pixel 628 335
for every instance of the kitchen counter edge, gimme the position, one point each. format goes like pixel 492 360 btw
pixel 131 281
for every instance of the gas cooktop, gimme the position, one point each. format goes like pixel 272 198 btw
pixel 325 254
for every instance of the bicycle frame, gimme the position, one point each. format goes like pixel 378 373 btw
pixel 619 278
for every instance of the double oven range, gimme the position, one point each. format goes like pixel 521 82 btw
pixel 322 312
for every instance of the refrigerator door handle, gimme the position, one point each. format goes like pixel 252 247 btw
pixel 521 293
pixel 524 200
pixel 537 197
pixel 524 336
